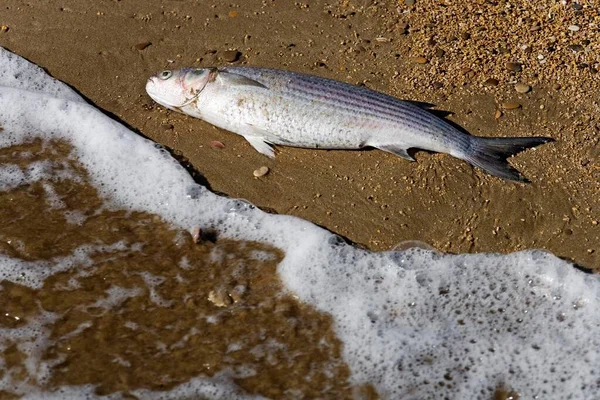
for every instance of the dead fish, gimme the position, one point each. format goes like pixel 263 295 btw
pixel 275 107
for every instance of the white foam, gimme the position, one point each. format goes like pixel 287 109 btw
pixel 410 321
pixel 33 273
pixel 21 74
pixel 152 282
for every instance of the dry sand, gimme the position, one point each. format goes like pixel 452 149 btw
pixel 439 52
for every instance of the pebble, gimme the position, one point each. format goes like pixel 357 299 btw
pixel 142 45
pixel 510 106
pixel 497 114
pixel 577 6
pixel 514 66
pixel 439 53
pixel 262 171
pixel 576 47
pixel 420 60
pixel 167 126
pixel 465 36
pixel 491 82
pixel 556 86
pixel 196 234
pixel 4 28
pixel 574 28
pixel 231 55
pixel 409 2
pixel 219 298
pixel 215 144
pixel 522 88
pixel 437 85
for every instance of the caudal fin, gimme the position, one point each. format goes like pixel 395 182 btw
pixel 490 154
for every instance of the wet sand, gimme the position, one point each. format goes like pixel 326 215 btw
pixel 432 51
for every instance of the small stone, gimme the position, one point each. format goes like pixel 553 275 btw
pixel 574 28
pixel 491 82
pixel 465 36
pixel 4 28
pixel 262 171
pixel 510 106
pixel 556 86
pixel 522 88
pixel 577 6
pixel 431 42
pixel 409 2
pixel 437 85
pixel 420 60
pixel 497 114
pixel 514 66
pixel 167 126
pixel 196 234
pixel 215 144
pixel 231 56
pixel 219 299
pixel 142 45
pixel 439 53
pixel 576 47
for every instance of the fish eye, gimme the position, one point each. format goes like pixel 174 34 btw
pixel 165 74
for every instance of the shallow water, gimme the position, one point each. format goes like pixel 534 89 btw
pixel 140 304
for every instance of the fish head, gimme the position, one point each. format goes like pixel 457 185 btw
pixel 178 88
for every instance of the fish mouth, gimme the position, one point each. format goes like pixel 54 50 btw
pixel 156 95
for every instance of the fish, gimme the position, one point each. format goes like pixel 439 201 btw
pixel 278 107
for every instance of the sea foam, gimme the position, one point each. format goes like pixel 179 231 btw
pixel 416 324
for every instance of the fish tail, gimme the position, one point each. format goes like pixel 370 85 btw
pixel 490 154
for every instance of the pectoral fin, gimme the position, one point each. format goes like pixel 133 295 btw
pixel 261 146
pixel 233 79
pixel 397 150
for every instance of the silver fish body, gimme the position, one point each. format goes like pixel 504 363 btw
pixel 269 106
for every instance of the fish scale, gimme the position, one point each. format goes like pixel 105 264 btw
pixel 276 107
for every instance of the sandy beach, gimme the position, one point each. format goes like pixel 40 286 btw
pixel 466 62
pixel 147 308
